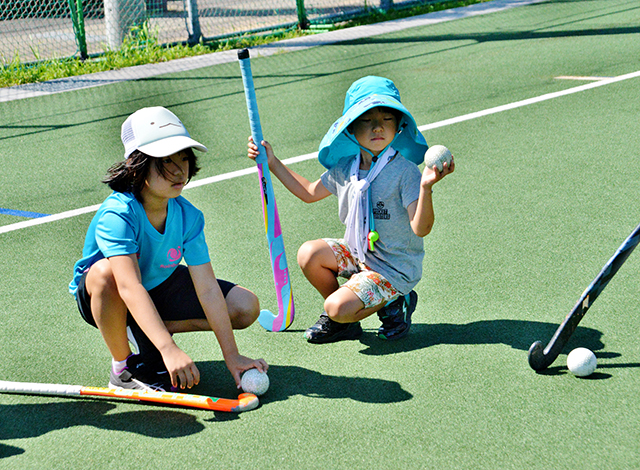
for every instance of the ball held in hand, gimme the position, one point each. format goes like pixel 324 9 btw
pixel 581 362
pixel 254 381
pixel 437 155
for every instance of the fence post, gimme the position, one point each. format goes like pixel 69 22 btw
pixel 77 18
pixel 119 16
pixel 193 22
pixel 303 21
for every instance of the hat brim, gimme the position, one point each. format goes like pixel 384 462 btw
pixel 170 145
pixel 336 145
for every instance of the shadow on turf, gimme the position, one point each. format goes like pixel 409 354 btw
pixel 9 451
pixel 518 334
pixel 598 375
pixel 562 370
pixel 287 381
pixel 35 419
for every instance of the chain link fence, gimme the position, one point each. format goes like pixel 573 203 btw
pixel 35 30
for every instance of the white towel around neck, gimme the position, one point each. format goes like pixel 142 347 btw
pixel 358 218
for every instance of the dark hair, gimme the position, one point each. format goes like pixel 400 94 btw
pixel 396 113
pixel 129 176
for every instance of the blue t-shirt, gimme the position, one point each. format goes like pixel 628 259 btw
pixel 121 227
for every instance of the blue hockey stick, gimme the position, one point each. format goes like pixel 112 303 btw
pixel 286 310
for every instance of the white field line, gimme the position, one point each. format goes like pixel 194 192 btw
pixel 246 171
pixel 48 218
pixel 194 184
pixel 529 101
pixel 578 78
pixel 309 156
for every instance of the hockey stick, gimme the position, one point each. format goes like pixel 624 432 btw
pixel 541 357
pixel 286 310
pixel 245 401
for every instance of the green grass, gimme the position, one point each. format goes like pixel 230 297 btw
pixel 141 46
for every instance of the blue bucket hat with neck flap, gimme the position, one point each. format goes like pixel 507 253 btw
pixel 364 94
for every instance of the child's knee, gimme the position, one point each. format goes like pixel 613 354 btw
pixel 337 309
pixel 244 307
pixel 342 305
pixel 305 253
pixel 310 253
pixel 332 307
pixel 100 279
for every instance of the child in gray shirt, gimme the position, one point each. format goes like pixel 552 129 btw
pixel 371 153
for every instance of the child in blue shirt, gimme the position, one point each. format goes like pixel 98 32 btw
pixel 371 153
pixel 130 283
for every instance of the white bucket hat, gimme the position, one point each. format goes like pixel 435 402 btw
pixel 156 132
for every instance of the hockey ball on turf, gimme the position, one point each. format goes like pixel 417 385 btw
pixel 581 362
pixel 254 381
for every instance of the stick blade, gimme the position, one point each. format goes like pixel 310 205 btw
pixel 284 318
pixel 248 401
pixel 271 322
pixel 537 359
pixel 245 402
pixel 266 319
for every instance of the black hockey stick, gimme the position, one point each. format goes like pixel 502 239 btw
pixel 541 357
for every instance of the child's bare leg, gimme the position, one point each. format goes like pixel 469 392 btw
pixel 340 320
pixel 344 306
pixel 243 307
pixel 108 309
pixel 319 265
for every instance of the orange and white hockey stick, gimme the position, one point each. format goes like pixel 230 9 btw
pixel 245 401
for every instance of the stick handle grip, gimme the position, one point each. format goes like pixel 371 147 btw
pixel 39 389
pixel 252 103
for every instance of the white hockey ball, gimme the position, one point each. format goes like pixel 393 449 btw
pixel 581 362
pixel 254 381
pixel 437 155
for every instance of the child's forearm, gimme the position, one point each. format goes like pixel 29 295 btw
pixel 215 309
pixel 424 217
pixel 138 302
pixel 214 306
pixel 298 185
pixel 145 314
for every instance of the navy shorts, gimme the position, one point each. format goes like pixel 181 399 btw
pixel 175 299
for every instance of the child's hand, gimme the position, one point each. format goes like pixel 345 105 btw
pixel 431 176
pixel 182 369
pixel 252 150
pixel 238 364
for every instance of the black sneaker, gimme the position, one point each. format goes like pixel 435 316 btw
pixel 139 375
pixel 328 331
pixel 396 317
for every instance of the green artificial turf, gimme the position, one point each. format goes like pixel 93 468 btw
pixel 541 198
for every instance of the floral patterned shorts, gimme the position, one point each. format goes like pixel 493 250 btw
pixel 370 287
